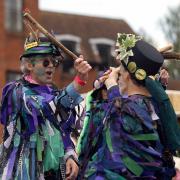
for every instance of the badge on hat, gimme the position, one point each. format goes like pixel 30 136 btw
pixel 140 74
pixel 132 67
pixel 30 45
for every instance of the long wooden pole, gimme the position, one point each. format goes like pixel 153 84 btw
pixel 169 55
pixel 28 17
pixel 166 48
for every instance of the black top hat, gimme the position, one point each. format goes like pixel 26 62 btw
pixel 139 57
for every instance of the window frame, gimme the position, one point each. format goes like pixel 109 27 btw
pixel 70 38
pixel 12 9
pixel 17 74
pixel 94 42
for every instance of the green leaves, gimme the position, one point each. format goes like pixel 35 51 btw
pixel 124 43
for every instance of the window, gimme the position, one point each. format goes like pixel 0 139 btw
pixel 105 55
pixel 13 15
pixel 104 52
pixel 67 65
pixel 12 75
pixel 73 44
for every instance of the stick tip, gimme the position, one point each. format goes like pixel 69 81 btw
pixel 26 11
pixel 166 48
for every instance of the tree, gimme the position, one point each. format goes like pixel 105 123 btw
pixel 171 27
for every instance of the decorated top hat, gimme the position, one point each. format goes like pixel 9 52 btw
pixel 39 45
pixel 139 57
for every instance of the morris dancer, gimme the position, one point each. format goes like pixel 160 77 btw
pixel 132 134
pixel 37 117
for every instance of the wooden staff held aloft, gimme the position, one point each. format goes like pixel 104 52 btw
pixel 30 19
pixel 169 55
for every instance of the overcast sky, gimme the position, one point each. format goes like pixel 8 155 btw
pixel 139 14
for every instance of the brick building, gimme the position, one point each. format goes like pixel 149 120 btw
pixel 91 36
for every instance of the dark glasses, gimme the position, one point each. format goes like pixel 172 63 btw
pixel 46 61
pixel 55 62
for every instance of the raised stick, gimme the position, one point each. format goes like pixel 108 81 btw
pixel 28 17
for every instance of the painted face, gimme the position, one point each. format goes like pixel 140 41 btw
pixel 43 68
pixel 123 80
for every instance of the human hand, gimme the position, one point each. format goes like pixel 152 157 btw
pixel 71 169
pixel 112 77
pixel 100 81
pixel 82 68
pixel 164 77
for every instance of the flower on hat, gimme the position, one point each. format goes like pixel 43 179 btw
pixel 125 43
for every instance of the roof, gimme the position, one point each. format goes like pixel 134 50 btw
pixel 85 27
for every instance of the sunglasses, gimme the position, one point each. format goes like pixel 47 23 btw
pixel 46 61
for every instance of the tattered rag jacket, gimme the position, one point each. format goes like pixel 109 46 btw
pixel 37 124
pixel 129 146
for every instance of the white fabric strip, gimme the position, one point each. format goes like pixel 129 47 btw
pixel 53 107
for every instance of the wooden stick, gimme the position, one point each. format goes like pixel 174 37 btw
pixel 28 17
pixel 166 48
pixel 171 55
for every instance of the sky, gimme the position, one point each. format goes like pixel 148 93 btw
pixel 141 15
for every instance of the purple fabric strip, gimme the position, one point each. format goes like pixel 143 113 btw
pixel 137 144
pixel 113 93
pixel 47 97
pixel 34 114
pixel 7 88
pixel 3 116
pixel 153 164
pixel 7 97
pixel 11 163
pixel 41 48
pixel 6 111
pixel 10 104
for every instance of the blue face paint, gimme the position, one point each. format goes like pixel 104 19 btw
pixel 40 72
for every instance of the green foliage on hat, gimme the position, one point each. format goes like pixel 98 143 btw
pixel 125 43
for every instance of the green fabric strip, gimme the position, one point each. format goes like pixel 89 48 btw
pixel 82 141
pixel 25 169
pixel 108 140
pixel 17 137
pixel 148 157
pixel 39 148
pixel 90 172
pixel 113 175
pixel 94 141
pixel 132 165
pixel 171 128
pixel 33 51
pixel 145 137
pixel 44 44
pixel 33 137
